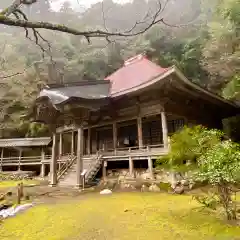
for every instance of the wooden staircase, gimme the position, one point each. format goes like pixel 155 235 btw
pixel 67 174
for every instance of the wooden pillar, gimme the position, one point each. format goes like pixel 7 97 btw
pixel 79 156
pixel 104 170
pixel 164 129
pixel 140 135
pixel 42 163
pixel 19 160
pixel 60 145
pixel 114 136
pixel 89 142
pixel 72 144
pixel 150 167
pixel 1 163
pixel 131 167
pixel 53 163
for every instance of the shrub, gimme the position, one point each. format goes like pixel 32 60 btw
pixel 187 145
pixel 220 166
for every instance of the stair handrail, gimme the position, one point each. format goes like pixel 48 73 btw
pixel 66 165
pixel 93 163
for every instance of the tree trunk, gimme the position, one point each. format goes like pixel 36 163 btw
pixel 226 200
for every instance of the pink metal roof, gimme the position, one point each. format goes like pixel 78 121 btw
pixel 136 71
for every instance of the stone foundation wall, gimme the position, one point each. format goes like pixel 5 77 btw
pixel 15 176
pixel 143 178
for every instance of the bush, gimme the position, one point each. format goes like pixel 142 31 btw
pixel 220 166
pixel 187 145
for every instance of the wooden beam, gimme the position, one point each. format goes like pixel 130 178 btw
pixel 72 143
pixel 43 165
pixel 89 141
pixel 60 144
pixel 79 157
pixel 2 153
pixel 131 167
pixel 72 127
pixel 150 167
pixel 53 163
pixel 19 160
pixel 114 135
pixel 164 129
pixel 140 135
pixel 104 171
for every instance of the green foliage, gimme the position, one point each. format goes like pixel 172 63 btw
pixel 232 89
pixel 207 200
pixel 220 164
pixel 165 186
pixel 188 144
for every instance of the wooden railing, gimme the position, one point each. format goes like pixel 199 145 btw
pixel 96 163
pixel 134 149
pixel 70 159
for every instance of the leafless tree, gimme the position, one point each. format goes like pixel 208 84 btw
pixel 14 16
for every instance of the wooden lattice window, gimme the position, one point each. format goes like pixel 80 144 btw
pixel 175 125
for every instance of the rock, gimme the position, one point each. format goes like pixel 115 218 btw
pixel 179 189
pixel 159 177
pixel 106 191
pixel 146 176
pixel 184 182
pixel 144 188
pixel 154 188
pixel 120 179
pixel 174 184
pixel 127 186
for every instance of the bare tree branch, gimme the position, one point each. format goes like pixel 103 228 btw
pixel 15 5
pixel 6 20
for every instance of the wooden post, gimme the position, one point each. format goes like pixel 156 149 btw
pixel 114 136
pixel 72 144
pixel 164 129
pixel 60 145
pixel 79 156
pixel 53 163
pixel 43 165
pixel 1 163
pixel 140 135
pixel 150 167
pixel 131 167
pixel 104 170
pixel 89 142
pixel 19 160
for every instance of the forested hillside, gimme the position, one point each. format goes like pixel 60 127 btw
pixel 200 37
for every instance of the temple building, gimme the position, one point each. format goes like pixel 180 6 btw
pixel 127 117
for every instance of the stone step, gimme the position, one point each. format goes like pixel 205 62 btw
pixel 69 177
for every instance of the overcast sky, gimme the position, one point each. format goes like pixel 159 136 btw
pixel 86 3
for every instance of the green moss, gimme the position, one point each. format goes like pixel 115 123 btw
pixel 165 186
pixel 8 184
pixel 148 216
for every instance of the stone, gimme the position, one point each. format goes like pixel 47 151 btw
pixel 184 182
pixel 159 177
pixel 144 188
pixel 146 176
pixel 106 192
pixel 154 188
pixel 179 189
pixel 127 186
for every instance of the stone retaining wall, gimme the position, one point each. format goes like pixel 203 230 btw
pixel 16 176
pixel 142 179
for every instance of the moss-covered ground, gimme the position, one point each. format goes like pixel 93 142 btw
pixel 9 184
pixel 120 216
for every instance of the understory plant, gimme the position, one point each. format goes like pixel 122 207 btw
pixel 220 167
pixel 187 145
